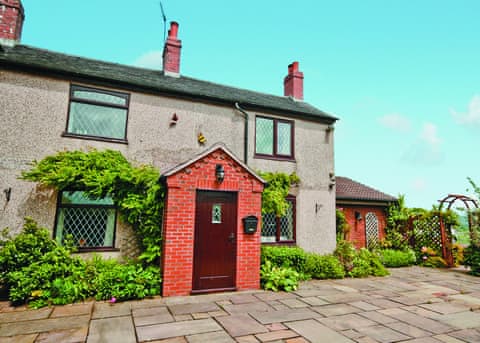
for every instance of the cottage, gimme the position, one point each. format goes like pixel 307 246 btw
pixel 184 127
pixel 365 209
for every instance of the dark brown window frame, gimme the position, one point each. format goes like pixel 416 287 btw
pixel 87 249
pixel 275 155
pixel 72 98
pixel 293 200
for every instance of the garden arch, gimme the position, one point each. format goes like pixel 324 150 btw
pixel 449 200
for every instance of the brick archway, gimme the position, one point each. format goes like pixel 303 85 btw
pixel 183 182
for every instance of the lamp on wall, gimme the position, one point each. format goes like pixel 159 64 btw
pixel 219 173
pixel 8 193
pixel 358 216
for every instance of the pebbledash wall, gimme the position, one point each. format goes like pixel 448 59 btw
pixel 179 220
pixel 33 112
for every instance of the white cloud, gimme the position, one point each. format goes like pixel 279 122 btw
pixel 426 150
pixel 472 116
pixel 419 184
pixel 396 122
pixel 151 59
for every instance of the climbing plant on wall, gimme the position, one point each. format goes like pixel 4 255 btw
pixel 274 194
pixel 135 190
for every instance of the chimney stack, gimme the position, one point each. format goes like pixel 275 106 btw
pixel 11 21
pixel 293 82
pixel 171 52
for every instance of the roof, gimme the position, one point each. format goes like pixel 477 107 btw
pixel 214 147
pixel 347 189
pixel 25 57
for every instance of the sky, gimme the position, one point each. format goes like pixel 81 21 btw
pixel 402 76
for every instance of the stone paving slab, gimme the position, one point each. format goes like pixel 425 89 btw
pixel 248 307
pixel 19 339
pixel 335 309
pixel 446 307
pixel 316 332
pixel 193 308
pixel 284 315
pixel 347 321
pixel 107 310
pixel 461 320
pixel 418 321
pixel 169 330
pixel 43 325
pixel 210 337
pixel 382 334
pixel 241 325
pixel 154 315
pixel 17 316
pixel 64 336
pixel 116 329
pixel 72 310
pixel 408 330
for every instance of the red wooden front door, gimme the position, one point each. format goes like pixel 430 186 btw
pixel 215 241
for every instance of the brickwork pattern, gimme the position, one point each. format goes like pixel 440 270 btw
pixel 179 221
pixel 11 19
pixel 357 234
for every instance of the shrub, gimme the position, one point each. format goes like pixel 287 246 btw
pixel 277 278
pixel 458 254
pixel 472 259
pixel 366 263
pixel 345 252
pixel 397 258
pixel 292 257
pixel 45 273
pixel 324 267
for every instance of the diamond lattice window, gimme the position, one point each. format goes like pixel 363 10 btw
pixel 279 229
pixel 273 137
pixel 89 222
pixel 371 230
pixel 97 113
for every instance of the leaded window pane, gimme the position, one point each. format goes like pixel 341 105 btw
pixel 90 223
pixel 264 136
pixel 286 224
pixel 100 97
pixel 95 120
pixel 217 214
pixel 284 138
pixel 269 228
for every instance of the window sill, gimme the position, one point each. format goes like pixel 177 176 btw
pixel 274 158
pixel 94 138
pixel 99 249
pixel 282 243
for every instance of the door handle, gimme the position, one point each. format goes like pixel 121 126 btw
pixel 231 237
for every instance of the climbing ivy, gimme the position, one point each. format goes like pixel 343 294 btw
pixel 274 194
pixel 135 190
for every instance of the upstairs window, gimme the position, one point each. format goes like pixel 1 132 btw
pixel 279 229
pixel 273 138
pixel 97 114
pixel 90 222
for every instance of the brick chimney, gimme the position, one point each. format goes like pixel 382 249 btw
pixel 11 21
pixel 293 82
pixel 171 52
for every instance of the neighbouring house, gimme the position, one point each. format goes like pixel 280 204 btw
pixel 187 128
pixel 365 209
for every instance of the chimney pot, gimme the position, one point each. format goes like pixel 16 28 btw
pixel 171 52
pixel 172 33
pixel 293 82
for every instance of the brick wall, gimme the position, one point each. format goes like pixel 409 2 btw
pixel 11 19
pixel 357 234
pixel 179 221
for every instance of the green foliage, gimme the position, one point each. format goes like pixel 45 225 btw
pixel 472 259
pixel 274 194
pixel 324 267
pixel 277 278
pixel 45 273
pixel 358 263
pixel 366 263
pixel 123 281
pixel 345 252
pixel 458 254
pixel 397 235
pixel 397 258
pixel 292 257
pixel 341 225
pixel 135 190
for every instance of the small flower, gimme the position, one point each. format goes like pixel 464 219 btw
pixel 113 300
pixel 424 257
pixel 424 249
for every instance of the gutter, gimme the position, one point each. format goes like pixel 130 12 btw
pixel 245 147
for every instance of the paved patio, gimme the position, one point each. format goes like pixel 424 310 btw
pixel 414 304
